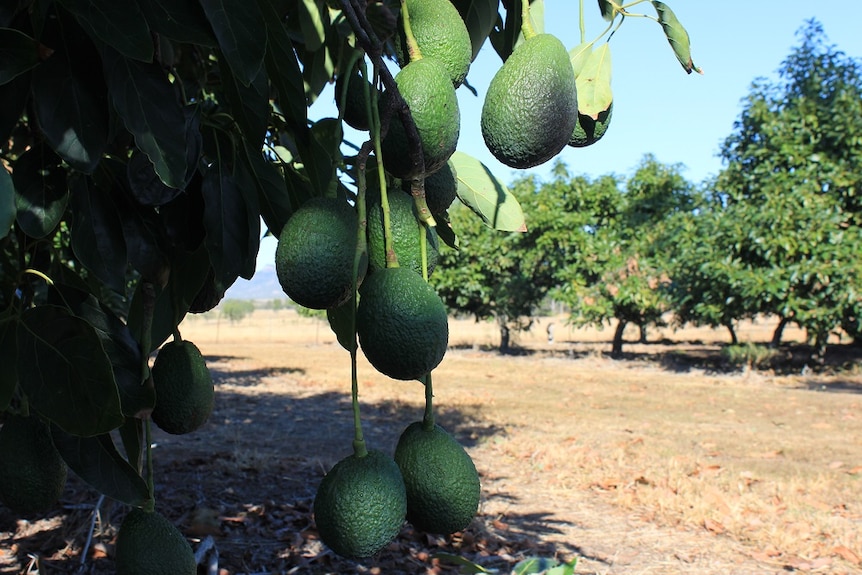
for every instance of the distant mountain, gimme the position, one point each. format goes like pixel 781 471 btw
pixel 263 286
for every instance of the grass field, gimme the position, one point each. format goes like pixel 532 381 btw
pixel 769 464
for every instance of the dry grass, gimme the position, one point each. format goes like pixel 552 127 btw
pixel 771 463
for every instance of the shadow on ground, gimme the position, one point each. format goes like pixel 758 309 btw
pixel 248 477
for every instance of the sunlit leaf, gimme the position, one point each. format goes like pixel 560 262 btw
pixel 18 53
pixel 312 24
pixel 594 83
pixel 464 564
pixel 677 36
pixel 486 195
pixel 97 461
pixel 65 372
pixel 579 56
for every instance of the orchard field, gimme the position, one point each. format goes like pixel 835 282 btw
pixel 667 461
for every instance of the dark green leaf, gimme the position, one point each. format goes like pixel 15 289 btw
pixel 40 191
pixel 97 461
pixel 317 72
pixel 121 25
pixel 479 16
pixel 8 353
pixel 273 197
pixel 188 272
pixel 18 53
pixel 241 34
pixel 607 9
pixel 122 350
pixel 146 186
pixel 65 372
pixel 283 69
pixel 97 233
pixel 180 20
pixel 150 108
pixel 7 203
pixel 486 195
pixel 341 321
pixel 14 96
pixel 249 105
pixel 299 189
pixel 71 109
pixel 677 36
pixel 132 436
pixel 319 153
pixel 445 232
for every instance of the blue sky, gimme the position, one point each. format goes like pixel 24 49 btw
pixel 658 108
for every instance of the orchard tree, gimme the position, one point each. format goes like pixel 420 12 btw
pixel 144 141
pixel 622 278
pixel 790 188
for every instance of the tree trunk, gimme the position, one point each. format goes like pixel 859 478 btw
pixel 733 339
pixel 643 328
pixel 779 332
pixel 504 335
pixel 617 349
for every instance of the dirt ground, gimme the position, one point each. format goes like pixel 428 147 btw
pixel 662 462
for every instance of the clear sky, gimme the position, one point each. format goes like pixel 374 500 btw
pixel 658 108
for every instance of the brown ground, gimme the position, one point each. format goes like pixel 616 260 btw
pixel 658 463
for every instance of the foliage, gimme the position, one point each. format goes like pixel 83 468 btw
pixel 784 214
pixel 749 354
pixel 235 310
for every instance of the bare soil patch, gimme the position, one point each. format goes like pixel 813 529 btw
pixel 657 463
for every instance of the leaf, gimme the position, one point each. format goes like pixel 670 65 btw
pixel 249 105
pixel 273 196
pixel 594 83
pixel 318 152
pixel 188 272
pixel 283 69
pixel 14 96
pixel 579 56
pixel 150 108
pixel 180 20
pixel 311 24
pixel 487 196
pixel 229 222
pixel 466 566
pixel 41 194
pixel 479 16
pixel 145 185
pixel 676 35
pixel 8 353
pixel 241 32
pixel 607 9
pixel 65 372
pixel 341 323
pixel 97 234
pixel 121 25
pixel 123 351
pixel 70 106
pixel 7 203
pixel 97 461
pixel 18 53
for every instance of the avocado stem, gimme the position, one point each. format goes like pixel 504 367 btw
pixel 150 505
pixel 527 28
pixel 359 448
pixel 423 249
pixel 417 189
pixel 428 416
pixel 412 45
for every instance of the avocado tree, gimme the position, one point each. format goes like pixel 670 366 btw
pixel 622 275
pixel 143 143
pixel 784 224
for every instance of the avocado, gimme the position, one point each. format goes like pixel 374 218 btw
pixel 531 107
